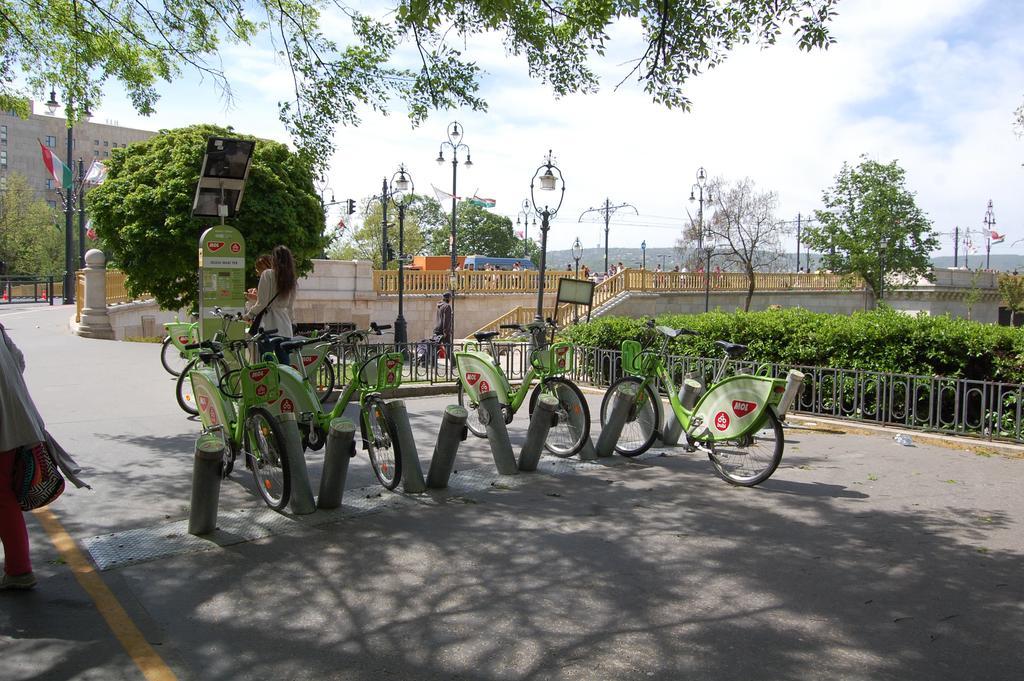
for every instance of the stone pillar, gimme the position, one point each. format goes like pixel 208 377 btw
pixel 95 323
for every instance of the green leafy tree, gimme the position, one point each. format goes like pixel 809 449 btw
pixel 1011 290
pixel 31 243
pixel 143 212
pixel 81 45
pixel 365 242
pixel 867 206
pixel 478 232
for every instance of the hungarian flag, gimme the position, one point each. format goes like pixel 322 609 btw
pixel 443 196
pixel 996 237
pixel 97 173
pixel 483 203
pixel 60 172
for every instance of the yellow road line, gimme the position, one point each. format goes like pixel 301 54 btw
pixel 135 644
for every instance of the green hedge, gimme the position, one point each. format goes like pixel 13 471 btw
pixel 879 340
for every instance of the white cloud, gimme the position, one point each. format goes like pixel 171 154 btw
pixel 929 82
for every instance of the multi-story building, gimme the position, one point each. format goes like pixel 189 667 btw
pixel 20 153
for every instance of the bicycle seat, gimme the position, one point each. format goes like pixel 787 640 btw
pixel 733 350
pixel 485 336
pixel 294 344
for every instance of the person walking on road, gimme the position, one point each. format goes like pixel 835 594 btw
pixel 21 426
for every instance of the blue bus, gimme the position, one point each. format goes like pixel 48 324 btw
pixel 480 262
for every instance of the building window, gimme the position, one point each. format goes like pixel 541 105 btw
pixel 3 183
pixel 52 204
pixel 3 159
pixel 95 143
pixel 106 154
pixel 96 152
pixel 3 134
pixel 50 184
pixel 51 141
pixel 105 143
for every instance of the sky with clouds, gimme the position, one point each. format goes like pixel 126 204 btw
pixel 931 83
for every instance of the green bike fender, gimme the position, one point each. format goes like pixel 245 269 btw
pixel 733 407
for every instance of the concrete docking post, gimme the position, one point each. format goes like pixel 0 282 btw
pixel 301 501
pixel 202 514
pixel 412 473
pixel 341 447
pixel 623 402
pixel 497 433
pixel 452 432
pixel 543 419
pixel 688 394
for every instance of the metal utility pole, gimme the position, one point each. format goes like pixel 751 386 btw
pixel 956 245
pixel 608 210
pixel 798 242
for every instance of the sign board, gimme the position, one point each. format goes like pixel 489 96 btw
pixel 575 291
pixel 222 273
pixel 222 177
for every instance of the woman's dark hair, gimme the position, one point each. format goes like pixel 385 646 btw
pixel 284 269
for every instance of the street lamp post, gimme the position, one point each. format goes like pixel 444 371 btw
pixel 523 218
pixel 643 254
pixel 702 194
pixel 882 245
pixel 709 250
pixel 549 181
pixel 608 210
pixel 577 253
pixel 454 142
pixel 401 188
pixel 69 211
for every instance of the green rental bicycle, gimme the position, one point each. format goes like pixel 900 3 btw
pixel 479 372
pixel 368 373
pixel 734 419
pixel 234 406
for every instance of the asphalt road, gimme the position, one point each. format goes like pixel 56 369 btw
pixel 859 559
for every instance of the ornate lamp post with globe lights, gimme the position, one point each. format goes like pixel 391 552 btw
pixel 454 142
pixel 550 180
pixel 401 188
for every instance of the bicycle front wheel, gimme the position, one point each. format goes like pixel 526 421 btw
pixel 751 459
pixel 382 443
pixel 173 359
pixel 267 457
pixel 324 381
pixel 473 422
pixel 573 427
pixel 641 427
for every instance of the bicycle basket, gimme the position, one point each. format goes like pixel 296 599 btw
pixel 636 362
pixel 383 372
pixel 260 382
pixel 553 360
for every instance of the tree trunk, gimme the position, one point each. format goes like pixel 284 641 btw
pixel 750 289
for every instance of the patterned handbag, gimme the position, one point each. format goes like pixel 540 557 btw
pixel 37 481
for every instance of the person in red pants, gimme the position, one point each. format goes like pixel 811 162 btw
pixel 20 427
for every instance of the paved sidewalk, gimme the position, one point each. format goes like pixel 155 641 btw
pixel 859 559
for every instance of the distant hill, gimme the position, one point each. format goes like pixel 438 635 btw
pixel 669 258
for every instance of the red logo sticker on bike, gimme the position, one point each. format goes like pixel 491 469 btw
pixel 392 363
pixel 309 359
pixel 286 406
pixel 261 390
pixel 721 420
pixel 183 340
pixel 484 387
pixel 259 374
pixel 204 403
pixel 215 245
pixel 741 408
pixel 391 377
pixel 472 377
pixel 235 247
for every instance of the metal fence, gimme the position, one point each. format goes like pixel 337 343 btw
pixel 22 289
pixel 937 404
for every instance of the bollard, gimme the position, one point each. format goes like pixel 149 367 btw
pixel 453 431
pixel 623 402
pixel 497 433
pixel 301 501
pixel 688 394
pixel 341 446
pixel 412 474
pixel 202 514
pixel 587 451
pixel 543 419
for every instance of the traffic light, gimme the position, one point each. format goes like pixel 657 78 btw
pixel 350 206
pixel 391 255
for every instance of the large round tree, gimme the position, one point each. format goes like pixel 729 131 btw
pixel 143 212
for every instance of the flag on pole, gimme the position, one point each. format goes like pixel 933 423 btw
pixel 341 224
pixel 90 231
pixel 443 196
pixel 996 237
pixel 60 172
pixel 482 202
pixel 519 234
pixel 97 173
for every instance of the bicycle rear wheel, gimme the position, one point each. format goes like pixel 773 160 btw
pixel 573 427
pixel 266 455
pixel 173 359
pixel 641 427
pixel 751 459
pixel 473 421
pixel 324 381
pixel 382 443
